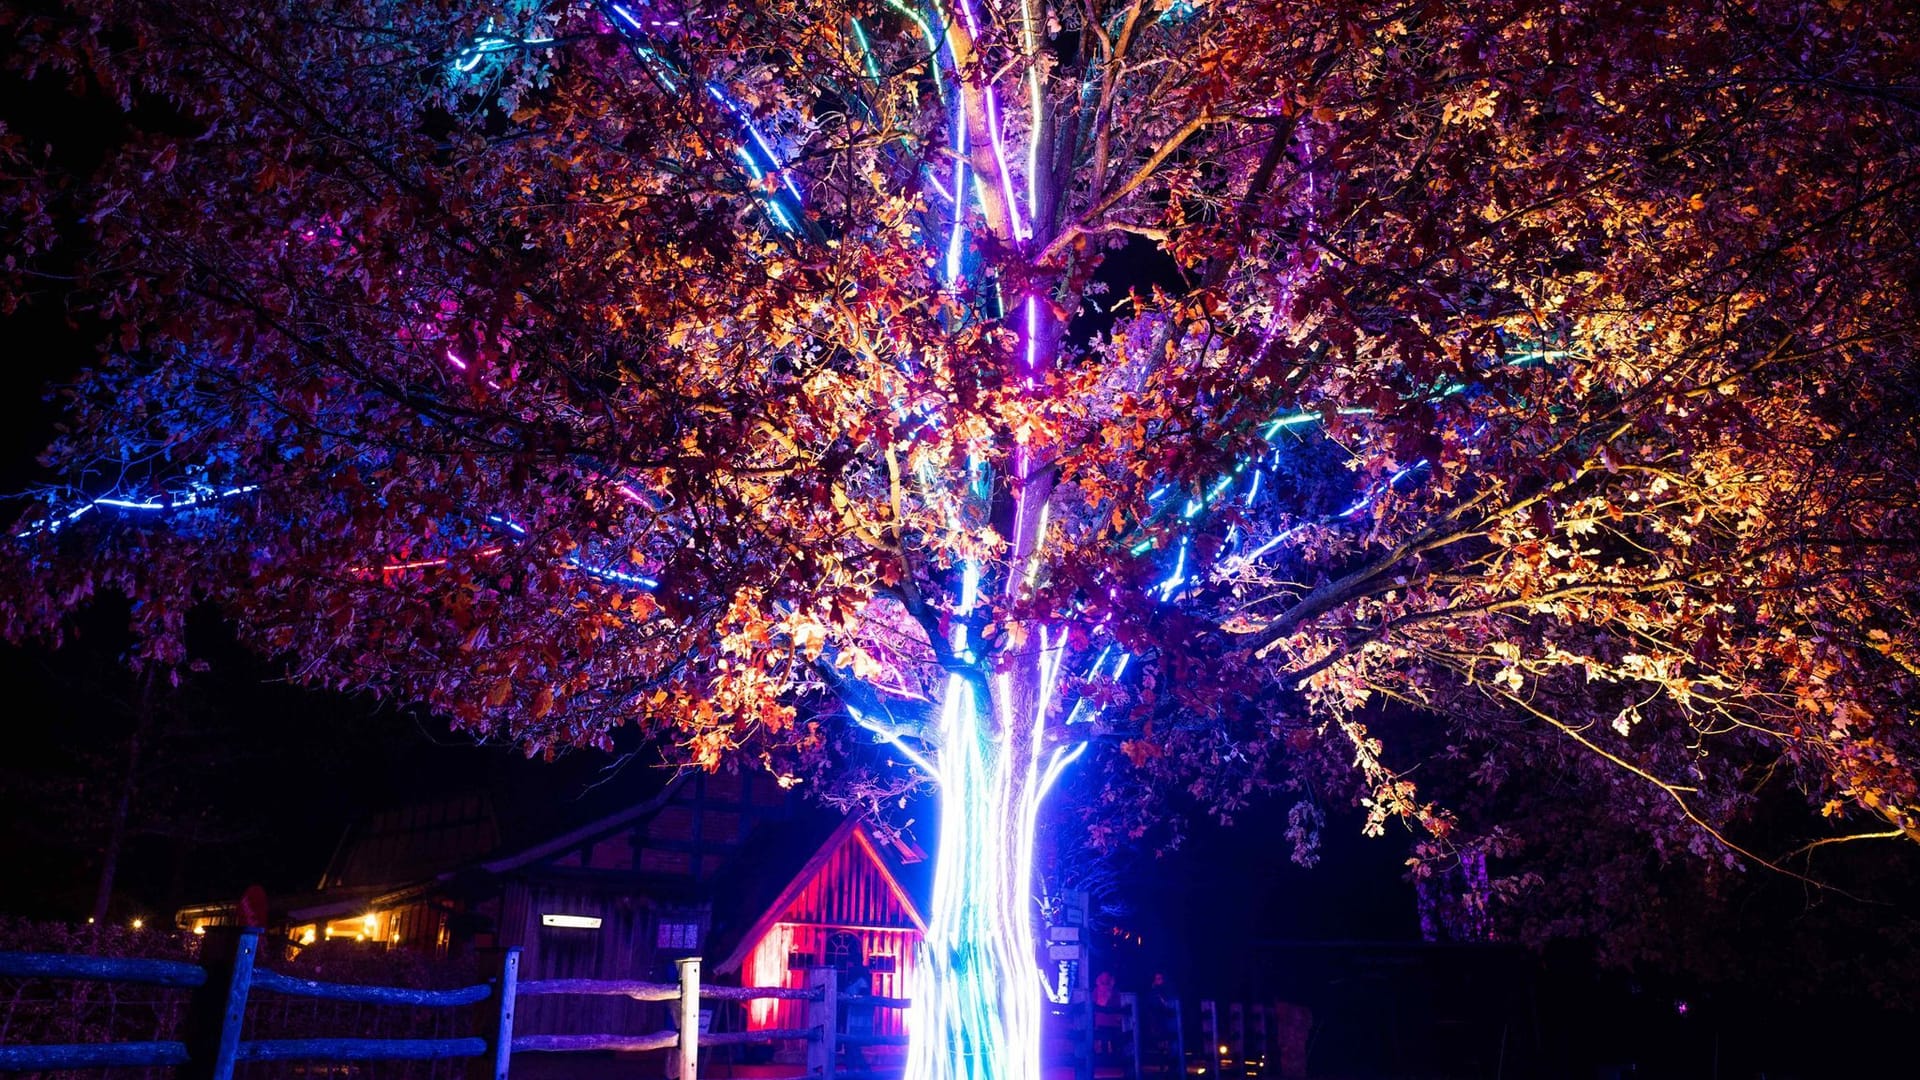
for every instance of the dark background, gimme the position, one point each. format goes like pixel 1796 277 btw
pixel 245 779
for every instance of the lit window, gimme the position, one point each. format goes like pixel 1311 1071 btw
pixel 356 928
pixel 572 922
pixel 678 936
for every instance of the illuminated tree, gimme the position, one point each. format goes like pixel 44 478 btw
pixel 690 366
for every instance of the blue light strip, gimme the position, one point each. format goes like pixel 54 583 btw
pixel 756 151
pixel 165 504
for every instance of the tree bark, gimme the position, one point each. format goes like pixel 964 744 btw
pixel 978 1002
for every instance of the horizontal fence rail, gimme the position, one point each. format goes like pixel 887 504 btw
pixel 223 982
pixel 571 1044
pixel 54 1056
pixel 652 991
pixel 866 999
pixel 102 969
pixel 638 991
pixel 369 995
pixel 361 1049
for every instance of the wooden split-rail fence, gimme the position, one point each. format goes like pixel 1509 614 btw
pixel 1143 1038
pixel 226 977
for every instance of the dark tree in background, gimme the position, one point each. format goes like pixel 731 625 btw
pixel 124 792
pixel 1535 383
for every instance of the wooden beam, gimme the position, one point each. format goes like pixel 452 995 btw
pixel 496 1025
pixel 101 969
pixel 688 1055
pixel 218 1008
pixel 54 1057
pixel 821 1017
pixel 367 995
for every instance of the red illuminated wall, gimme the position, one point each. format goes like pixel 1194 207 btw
pixel 849 890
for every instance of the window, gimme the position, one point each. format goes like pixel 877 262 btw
pixel 678 936
pixel 372 926
pixel 843 950
pixel 571 922
pixel 880 965
pixel 801 961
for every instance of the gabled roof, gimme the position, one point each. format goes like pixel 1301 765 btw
pixel 404 844
pixel 852 830
pixel 754 883
pixel 592 830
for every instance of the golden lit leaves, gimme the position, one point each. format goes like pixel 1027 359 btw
pixel 1139 751
pixel 1591 340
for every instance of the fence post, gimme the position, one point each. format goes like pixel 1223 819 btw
pixel 1262 1033
pixel 1237 1035
pixel 496 1025
pixel 1132 1004
pixel 686 1056
pixel 1210 1025
pixel 822 1016
pixel 218 1008
pixel 1080 1014
pixel 1180 1037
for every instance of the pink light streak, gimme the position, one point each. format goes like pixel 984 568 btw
pixel 422 564
pixel 461 366
pixel 1019 229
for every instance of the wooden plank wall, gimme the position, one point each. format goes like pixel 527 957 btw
pixel 850 889
pixel 622 948
pixel 418 925
pixel 691 837
pixel 851 893
pixel 767 967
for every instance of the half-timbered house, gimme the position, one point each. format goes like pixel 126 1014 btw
pixel 723 866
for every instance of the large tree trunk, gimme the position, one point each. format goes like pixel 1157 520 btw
pixel 978 1003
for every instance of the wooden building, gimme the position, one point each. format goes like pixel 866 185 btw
pixel 847 908
pixel 380 887
pixel 627 895
pixel 720 865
